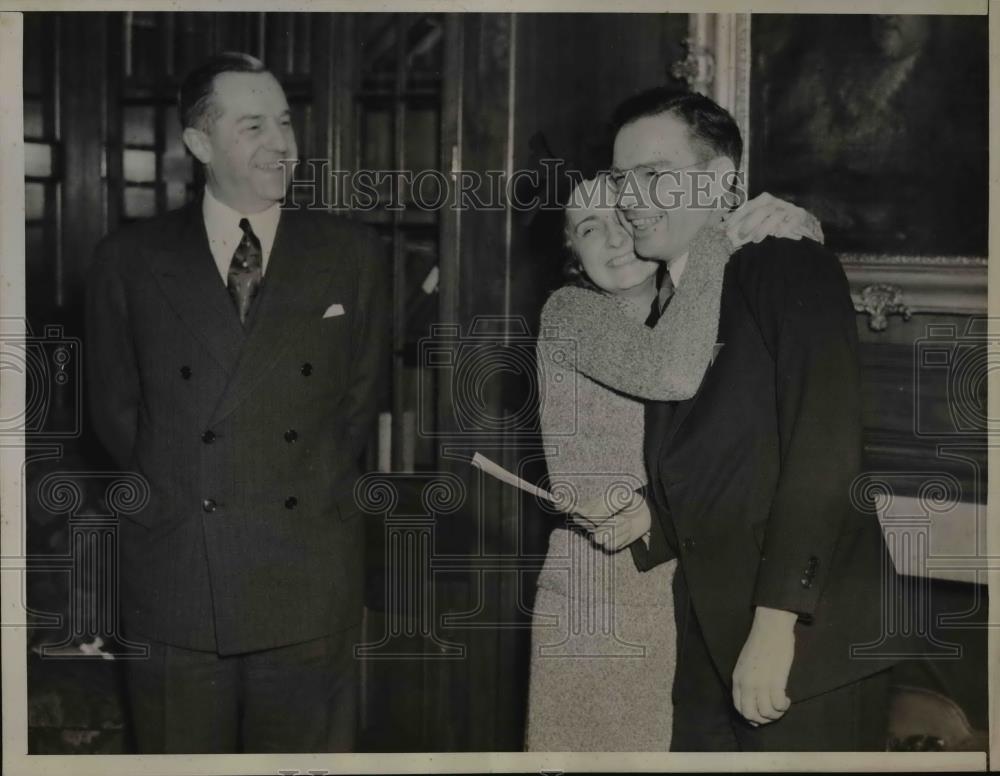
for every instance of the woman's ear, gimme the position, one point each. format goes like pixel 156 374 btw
pixel 197 143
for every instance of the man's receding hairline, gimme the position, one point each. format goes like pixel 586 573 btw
pixel 213 111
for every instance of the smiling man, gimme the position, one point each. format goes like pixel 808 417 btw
pixel 782 579
pixel 233 354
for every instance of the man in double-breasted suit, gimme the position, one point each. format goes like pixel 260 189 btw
pixel 233 352
pixel 783 580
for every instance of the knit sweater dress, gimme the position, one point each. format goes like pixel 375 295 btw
pixel 603 633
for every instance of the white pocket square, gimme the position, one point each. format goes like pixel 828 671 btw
pixel 334 310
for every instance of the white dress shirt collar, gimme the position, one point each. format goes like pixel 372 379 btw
pixel 222 224
pixel 676 268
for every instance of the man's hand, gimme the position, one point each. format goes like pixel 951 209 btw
pixel 625 527
pixel 765 216
pixel 762 669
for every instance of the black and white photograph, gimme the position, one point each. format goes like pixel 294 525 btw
pixel 505 388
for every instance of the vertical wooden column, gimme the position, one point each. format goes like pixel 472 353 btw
pixel 82 79
pixel 479 103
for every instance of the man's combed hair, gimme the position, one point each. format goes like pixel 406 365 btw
pixel 194 101
pixel 714 132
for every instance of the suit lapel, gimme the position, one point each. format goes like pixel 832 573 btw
pixel 677 418
pixel 683 408
pixel 291 296
pixel 188 276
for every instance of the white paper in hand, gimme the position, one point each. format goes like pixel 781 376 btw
pixel 496 470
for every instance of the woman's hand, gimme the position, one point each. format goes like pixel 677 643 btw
pixel 590 515
pixel 613 530
pixel 767 216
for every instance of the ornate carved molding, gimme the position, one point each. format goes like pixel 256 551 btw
pixel 718 64
pixel 880 300
pixel 955 285
pixel 914 261
pixel 731 88
pixel 698 67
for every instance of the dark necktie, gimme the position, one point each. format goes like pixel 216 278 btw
pixel 245 271
pixel 661 300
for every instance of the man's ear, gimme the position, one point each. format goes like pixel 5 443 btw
pixel 197 143
pixel 727 185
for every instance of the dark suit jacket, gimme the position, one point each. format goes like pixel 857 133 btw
pixel 751 479
pixel 249 438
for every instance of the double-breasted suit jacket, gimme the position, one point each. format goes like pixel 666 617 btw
pixel 249 436
pixel 751 479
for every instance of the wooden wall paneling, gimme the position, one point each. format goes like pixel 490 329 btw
pixel 449 700
pixel 43 262
pixel 481 287
pixel 113 140
pixel 452 118
pixel 83 74
pixel 398 256
pixel 238 32
pixel 573 74
pixel 194 40
pixel 327 101
pixel 910 410
pixel 163 89
pixel 373 76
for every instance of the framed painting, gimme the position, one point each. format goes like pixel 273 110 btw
pixel 878 124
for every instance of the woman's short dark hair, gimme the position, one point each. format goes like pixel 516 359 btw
pixel 194 101
pixel 714 131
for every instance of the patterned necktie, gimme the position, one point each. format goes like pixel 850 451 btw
pixel 245 271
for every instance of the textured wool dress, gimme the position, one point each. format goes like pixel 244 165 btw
pixel 603 635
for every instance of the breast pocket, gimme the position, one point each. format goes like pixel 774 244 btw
pixel 322 351
pixel 335 316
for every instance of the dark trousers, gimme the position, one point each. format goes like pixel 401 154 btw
pixel 852 718
pixel 297 698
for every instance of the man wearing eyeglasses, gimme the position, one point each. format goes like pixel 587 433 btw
pixel 782 579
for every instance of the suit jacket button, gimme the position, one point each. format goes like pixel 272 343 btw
pixel 186 372
pixel 688 544
pixel 291 435
pixel 806 582
pixel 291 502
pixel 307 369
pixel 208 505
pixel 208 437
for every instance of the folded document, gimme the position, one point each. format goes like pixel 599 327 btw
pixel 496 470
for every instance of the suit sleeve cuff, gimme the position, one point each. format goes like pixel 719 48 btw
pixel 657 552
pixel 794 589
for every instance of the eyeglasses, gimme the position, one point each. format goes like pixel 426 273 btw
pixel 645 174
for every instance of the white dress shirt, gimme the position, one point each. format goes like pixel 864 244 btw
pixel 222 224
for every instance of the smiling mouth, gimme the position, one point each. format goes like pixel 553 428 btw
pixel 642 224
pixel 271 166
pixel 620 261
